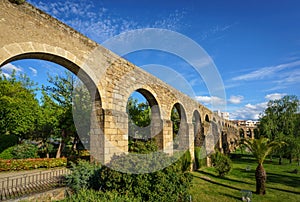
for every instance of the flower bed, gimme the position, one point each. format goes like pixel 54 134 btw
pixel 28 164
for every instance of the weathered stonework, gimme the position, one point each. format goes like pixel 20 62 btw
pixel 27 32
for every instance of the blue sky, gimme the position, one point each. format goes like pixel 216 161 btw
pixel 255 45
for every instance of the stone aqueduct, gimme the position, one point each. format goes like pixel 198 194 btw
pixel 28 33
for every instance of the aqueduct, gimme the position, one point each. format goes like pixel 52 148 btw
pixel 28 33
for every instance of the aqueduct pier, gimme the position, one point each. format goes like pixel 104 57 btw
pixel 28 33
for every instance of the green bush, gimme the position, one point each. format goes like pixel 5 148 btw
pixel 142 147
pixel 21 151
pixel 83 175
pixel 200 160
pixel 28 164
pixel 7 153
pixel 88 195
pixel 166 184
pixel 7 141
pixel 222 163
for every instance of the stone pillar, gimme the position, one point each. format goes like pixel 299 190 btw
pixel 116 134
pixel 167 136
pixel 252 133
pixel 190 143
pixel 96 140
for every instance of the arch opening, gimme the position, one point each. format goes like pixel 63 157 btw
pixel 86 115
pixel 179 127
pixel 144 122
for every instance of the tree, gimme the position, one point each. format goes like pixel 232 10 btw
pixel 18 107
pixel 61 92
pixel 47 124
pixel 278 121
pixel 260 149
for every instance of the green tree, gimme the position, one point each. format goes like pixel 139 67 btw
pixel 18 107
pixel 47 124
pixel 278 122
pixel 260 149
pixel 61 92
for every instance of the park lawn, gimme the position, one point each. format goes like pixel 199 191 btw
pixel 282 185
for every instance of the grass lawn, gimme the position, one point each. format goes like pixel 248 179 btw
pixel 282 185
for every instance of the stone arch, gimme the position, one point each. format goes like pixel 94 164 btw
pixel 206 118
pixel 199 137
pixel 180 140
pixel 30 50
pixel 155 128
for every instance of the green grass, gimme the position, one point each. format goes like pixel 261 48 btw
pixel 282 185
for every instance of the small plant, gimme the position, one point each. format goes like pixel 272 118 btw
pixel 221 163
pixel 83 176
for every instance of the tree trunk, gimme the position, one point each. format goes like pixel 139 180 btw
pixel 280 160
pixel 261 177
pixel 61 145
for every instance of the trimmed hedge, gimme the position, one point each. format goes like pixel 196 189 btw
pixel 28 164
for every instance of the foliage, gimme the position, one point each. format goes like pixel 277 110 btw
pixel 28 164
pixel 200 159
pixel 221 163
pixel 260 149
pixel 18 108
pixel 61 93
pixel 169 184
pixel 142 147
pixel 7 141
pixel 139 119
pixel 21 151
pixel 279 122
pixel 83 175
pixel 89 195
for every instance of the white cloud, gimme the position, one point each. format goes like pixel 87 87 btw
pixel 4 74
pixel 34 71
pixel 249 111
pixel 236 99
pixel 9 68
pixel 98 23
pixel 265 72
pixel 275 96
pixel 208 100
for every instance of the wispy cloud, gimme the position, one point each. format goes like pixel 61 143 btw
pixel 275 96
pixel 249 111
pixel 34 71
pixel 265 72
pixel 99 23
pixel 9 68
pixel 215 30
pixel 209 100
pixel 236 99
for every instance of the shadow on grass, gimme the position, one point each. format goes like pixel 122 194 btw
pixel 232 196
pixel 218 183
pixel 224 178
pixel 292 181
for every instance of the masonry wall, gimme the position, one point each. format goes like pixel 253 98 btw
pixel 26 32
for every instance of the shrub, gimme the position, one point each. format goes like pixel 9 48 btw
pixel 89 195
pixel 27 164
pixel 7 153
pixel 7 141
pixel 200 159
pixel 21 151
pixel 142 147
pixel 168 184
pixel 222 163
pixel 24 151
pixel 83 175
